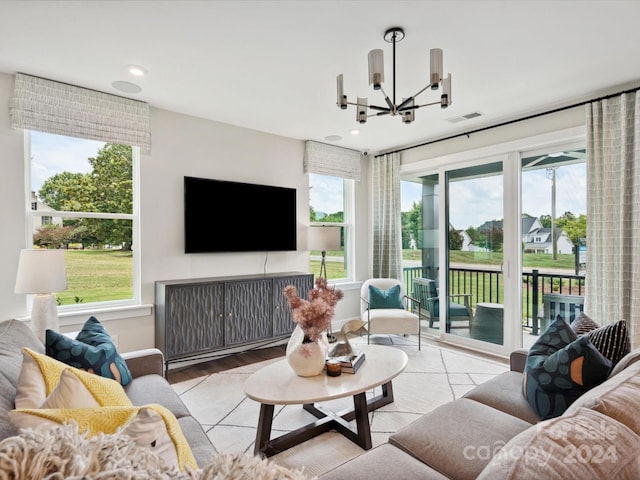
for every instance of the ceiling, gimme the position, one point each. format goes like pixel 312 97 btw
pixel 272 65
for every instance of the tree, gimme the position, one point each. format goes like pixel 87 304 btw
pixel 575 228
pixel 455 239
pixel 107 189
pixel 545 220
pixel 412 225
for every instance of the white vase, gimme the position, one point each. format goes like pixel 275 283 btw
pixel 306 359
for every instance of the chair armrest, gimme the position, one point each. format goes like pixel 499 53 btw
pixel 144 362
pixel 517 359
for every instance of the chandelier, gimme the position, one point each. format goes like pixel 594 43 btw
pixel 407 108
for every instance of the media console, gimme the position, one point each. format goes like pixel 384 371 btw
pixel 201 316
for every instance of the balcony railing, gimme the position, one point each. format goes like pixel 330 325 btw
pixel 487 285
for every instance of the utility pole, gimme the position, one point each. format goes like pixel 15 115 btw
pixel 551 173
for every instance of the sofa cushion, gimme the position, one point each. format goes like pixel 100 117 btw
pixel 151 426
pixel 560 367
pixel 504 392
pixel 155 389
pixel 92 350
pixel 40 375
pixel 14 334
pixel 618 398
pixel 389 298
pixel 458 438
pixel 383 461
pixel 585 444
pixel 628 360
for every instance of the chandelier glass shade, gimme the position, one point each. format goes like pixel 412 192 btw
pixel 407 107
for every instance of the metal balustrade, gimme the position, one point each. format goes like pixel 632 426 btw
pixel 486 285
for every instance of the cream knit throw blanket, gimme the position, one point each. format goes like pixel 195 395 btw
pixel 60 452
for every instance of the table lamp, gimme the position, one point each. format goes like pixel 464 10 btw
pixel 324 238
pixel 42 272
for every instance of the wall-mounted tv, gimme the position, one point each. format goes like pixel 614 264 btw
pixel 226 216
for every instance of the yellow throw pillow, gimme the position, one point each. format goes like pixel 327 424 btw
pixel 40 376
pixel 151 426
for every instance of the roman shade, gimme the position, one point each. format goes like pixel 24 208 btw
pixel 59 108
pixel 326 159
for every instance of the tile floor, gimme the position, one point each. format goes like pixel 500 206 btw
pixel 435 375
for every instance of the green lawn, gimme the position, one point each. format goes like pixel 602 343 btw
pixel 105 275
pixel 97 276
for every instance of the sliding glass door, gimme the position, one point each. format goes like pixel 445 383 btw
pixel 473 297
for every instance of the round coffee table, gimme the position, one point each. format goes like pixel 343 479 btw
pixel 277 384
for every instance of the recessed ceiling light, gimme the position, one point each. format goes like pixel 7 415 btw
pixel 136 70
pixel 354 132
pixel 333 138
pixel 126 87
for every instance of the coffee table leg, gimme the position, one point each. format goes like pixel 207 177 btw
pixel 362 420
pixel 263 432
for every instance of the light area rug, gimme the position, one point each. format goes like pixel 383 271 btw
pixel 434 376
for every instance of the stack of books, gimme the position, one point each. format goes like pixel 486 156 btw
pixel 351 363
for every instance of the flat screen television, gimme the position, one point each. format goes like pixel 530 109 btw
pixel 226 216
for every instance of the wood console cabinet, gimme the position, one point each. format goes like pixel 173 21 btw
pixel 198 316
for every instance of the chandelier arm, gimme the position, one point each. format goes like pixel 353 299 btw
pixel 386 99
pixel 376 107
pixel 426 105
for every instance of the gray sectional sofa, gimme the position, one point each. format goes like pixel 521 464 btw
pixel 492 433
pixel 148 385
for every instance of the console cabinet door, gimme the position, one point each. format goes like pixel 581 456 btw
pixel 283 323
pixel 194 319
pixel 247 311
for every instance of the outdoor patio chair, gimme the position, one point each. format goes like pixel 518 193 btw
pixel 425 290
pixel 383 306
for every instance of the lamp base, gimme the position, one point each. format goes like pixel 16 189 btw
pixel 44 314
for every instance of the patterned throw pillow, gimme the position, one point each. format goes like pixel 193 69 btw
pixel 612 340
pixel 92 350
pixel 41 376
pixel 560 367
pixel 389 298
pixel 583 324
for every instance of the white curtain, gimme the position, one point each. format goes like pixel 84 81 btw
pixel 326 159
pixel 54 107
pixel 613 213
pixel 387 234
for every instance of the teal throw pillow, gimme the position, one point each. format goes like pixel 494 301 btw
pixel 92 350
pixel 389 298
pixel 560 367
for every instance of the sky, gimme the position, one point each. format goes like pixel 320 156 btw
pixel 51 154
pixel 473 201
pixel 476 201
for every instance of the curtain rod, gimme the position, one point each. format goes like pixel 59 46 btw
pixel 556 110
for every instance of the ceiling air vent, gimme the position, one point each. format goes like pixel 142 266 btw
pixel 462 118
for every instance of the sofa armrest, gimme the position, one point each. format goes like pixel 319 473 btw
pixel 144 362
pixel 517 359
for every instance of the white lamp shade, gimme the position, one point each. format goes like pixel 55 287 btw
pixel 324 238
pixel 41 271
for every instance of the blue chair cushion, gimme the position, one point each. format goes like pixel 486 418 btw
pixel 560 367
pixel 389 298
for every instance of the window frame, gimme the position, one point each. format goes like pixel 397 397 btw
pixel 348 203
pixel 30 216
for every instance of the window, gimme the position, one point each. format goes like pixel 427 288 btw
pixel 330 203
pixel 81 200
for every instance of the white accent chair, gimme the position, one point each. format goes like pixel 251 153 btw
pixel 394 321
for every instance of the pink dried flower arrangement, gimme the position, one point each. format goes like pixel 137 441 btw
pixel 313 315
